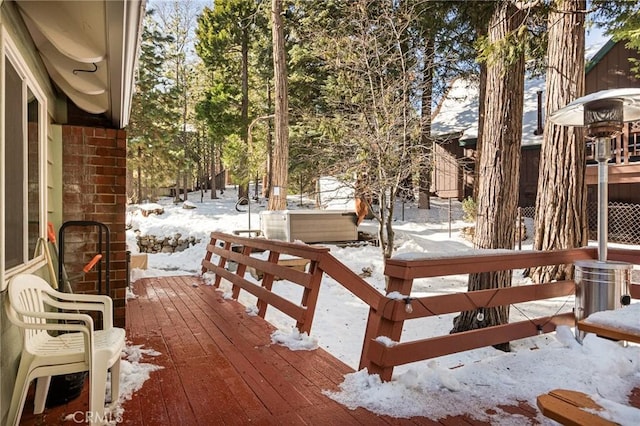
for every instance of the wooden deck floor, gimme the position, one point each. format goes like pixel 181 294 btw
pixel 219 367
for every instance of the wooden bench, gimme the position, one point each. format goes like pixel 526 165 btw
pixel 257 232
pixel 568 408
pixel 294 263
pixel 608 331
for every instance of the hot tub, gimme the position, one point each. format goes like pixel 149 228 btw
pixel 309 226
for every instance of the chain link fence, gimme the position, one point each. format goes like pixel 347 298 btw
pixel 624 221
pixel 528 211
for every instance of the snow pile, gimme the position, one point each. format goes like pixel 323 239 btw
pixel 627 318
pixel 294 340
pixel 599 367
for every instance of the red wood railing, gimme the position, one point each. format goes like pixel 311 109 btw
pixel 380 359
pixel 387 314
pixel 239 249
pixel 625 148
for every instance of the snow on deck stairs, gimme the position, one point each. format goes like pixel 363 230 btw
pixel 568 407
pixel 609 332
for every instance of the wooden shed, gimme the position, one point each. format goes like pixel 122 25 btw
pixel 452 168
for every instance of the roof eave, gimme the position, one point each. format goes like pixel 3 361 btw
pixel 125 23
pixel 89 50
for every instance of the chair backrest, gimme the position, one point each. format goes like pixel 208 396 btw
pixel 27 294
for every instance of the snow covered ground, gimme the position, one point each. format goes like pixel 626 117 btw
pixel 468 382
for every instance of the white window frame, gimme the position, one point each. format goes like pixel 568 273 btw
pixel 10 52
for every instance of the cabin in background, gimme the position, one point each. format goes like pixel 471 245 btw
pixel 610 68
pixel 455 130
pixel 455 127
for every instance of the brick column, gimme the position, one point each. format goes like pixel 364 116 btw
pixel 94 189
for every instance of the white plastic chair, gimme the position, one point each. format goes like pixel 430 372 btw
pixel 81 348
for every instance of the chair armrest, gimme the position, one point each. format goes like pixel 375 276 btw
pixel 83 323
pixel 86 320
pixel 81 297
pixel 85 302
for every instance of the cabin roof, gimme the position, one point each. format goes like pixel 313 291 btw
pixel 458 109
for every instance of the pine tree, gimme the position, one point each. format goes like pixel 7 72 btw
pixel 280 174
pixel 500 157
pixel 151 129
pixel 621 19
pixel 561 220
pixel 179 20
pixel 224 37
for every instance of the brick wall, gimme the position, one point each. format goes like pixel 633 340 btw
pixel 94 189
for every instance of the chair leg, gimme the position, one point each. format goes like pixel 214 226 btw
pixel 115 381
pixel 97 389
pixel 42 388
pixel 20 389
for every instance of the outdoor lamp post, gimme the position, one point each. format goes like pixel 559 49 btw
pixel 603 114
pixel 601 285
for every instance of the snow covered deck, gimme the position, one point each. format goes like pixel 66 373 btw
pixel 220 367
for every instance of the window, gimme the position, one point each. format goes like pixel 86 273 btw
pixel 23 150
pixel 13 233
pixel 33 172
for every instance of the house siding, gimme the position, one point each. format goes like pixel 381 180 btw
pixel 10 337
pixel 54 174
pixel 447 175
pixel 529 171
pixel 9 359
pixel 612 70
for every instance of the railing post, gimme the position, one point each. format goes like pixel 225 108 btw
pixel 310 298
pixel 267 283
pixel 221 264
pixel 242 268
pixel 208 254
pixel 377 325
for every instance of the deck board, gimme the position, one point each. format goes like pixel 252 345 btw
pixel 220 367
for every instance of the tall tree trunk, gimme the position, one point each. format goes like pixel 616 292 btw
pixel 243 188
pixel 278 195
pixel 139 175
pixel 482 94
pixel 426 146
pixel 214 187
pixel 499 165
pixel 266 185
pixel 561 203
pixel 185 184
pixel 185 141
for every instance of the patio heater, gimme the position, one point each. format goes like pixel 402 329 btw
pixel 602 284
